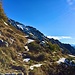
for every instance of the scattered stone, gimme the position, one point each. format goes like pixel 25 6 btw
pixel 12 40
pixel 3 43
pixel 6 43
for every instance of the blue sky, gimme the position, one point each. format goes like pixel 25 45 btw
pixel 54 18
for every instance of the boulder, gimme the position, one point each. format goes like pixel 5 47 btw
pixel 3 43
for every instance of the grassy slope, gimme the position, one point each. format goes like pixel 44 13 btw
pixel 9 55
pixel 11 61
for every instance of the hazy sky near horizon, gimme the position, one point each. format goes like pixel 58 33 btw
pixel 54 18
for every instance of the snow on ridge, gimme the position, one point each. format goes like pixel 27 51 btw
pixel 20 26
pixel 36 65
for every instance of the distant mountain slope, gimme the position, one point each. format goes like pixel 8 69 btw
pixel 66 47
pixel 37 35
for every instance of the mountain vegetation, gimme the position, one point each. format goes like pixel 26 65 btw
pixel 25 49
pixel 2 14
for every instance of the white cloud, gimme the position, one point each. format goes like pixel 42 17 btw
pixel 70 2
pixel 60 37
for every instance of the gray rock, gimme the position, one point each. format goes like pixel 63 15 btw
pixel 6 43
pixel 3 43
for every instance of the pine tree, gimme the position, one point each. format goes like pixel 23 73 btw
pixel 2 14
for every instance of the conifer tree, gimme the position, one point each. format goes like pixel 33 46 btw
pixel 2 14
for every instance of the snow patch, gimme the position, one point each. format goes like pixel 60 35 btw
pixel 30 40
pixel 61 60
pixel 26 47
pixel 71 55
pixel 26 36
pixel 36 65
pixel 26 28
pixel 5 23
pixel 42 42
pixel 31 34
pixel 26 59
pixel 20 26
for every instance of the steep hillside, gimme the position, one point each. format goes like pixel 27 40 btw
pixel 37 35
pixel 51 54
pixel 12 43
pixel 25 49
pixel 15 48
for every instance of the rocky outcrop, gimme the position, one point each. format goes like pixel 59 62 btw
pixel 3 43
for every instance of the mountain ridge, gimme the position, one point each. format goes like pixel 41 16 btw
pixel 37 35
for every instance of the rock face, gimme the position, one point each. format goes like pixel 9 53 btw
pixel 3 43
pixel 31 31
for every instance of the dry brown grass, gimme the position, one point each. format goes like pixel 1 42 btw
pixel 9 55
